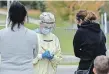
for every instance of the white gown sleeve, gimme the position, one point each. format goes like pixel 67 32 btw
pixel 57 56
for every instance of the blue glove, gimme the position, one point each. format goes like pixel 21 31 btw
pixel 47 55
pixel 51 57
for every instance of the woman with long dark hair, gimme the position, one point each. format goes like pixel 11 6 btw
pixel 18 45
pixel 89 40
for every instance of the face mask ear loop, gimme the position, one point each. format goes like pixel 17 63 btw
pixel 54 26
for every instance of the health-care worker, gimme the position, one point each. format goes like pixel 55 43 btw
pixel 49 55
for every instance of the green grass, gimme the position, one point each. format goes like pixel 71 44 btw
pixel 66 38
pixel 33 16
pixel 2 17
pixel 1 27
pixel 31 26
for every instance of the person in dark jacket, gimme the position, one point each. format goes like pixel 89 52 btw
pixel 89 40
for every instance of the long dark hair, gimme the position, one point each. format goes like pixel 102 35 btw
pixel 17 14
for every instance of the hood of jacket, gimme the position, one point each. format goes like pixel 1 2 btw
pixel 93 26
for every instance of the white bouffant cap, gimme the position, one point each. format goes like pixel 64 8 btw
pixel 47 17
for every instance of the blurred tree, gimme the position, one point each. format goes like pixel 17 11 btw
pixel 66 10
pixel 42 6
pixel 38 5
pixel 105 8
pixel 34 5
pixel 3 3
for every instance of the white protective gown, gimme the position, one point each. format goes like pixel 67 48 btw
pixel 17 50
pixel 44 66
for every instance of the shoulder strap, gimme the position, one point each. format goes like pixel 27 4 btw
pixel 91 65
pixel 101 36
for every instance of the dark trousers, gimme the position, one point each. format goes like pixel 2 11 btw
pixel 86 64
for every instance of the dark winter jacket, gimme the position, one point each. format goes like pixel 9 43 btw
pixel 89 41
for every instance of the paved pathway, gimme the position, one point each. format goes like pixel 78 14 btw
pixel 65 69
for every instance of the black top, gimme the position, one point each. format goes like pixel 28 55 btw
pixel 89 41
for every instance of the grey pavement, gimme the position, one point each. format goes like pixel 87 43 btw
pixel 66 69
pixel 69 59
pixel 2 23
pixel 66 59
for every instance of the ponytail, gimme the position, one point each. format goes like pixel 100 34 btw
pixel 90 16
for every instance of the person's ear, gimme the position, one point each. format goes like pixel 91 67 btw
pixel 79 21
pixel 94 70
